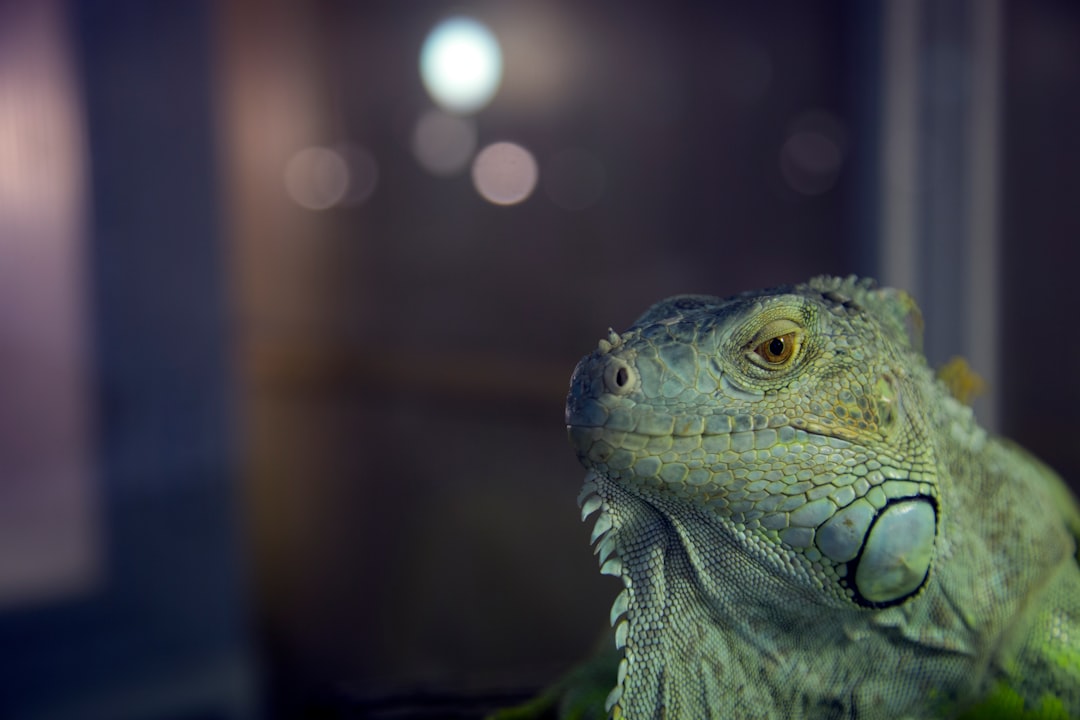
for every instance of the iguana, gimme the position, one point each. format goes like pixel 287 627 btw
pixel 808 524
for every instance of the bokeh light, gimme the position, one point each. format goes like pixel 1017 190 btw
pixel 317 178
pixel 813 153
pixel 505 173
pixel 443 144
pixel 574 179
pixel 461 64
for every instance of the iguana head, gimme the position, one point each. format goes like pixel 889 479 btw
pixel 784 424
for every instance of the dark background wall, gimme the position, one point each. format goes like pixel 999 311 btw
pixel 328 450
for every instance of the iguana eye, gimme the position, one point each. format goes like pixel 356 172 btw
pixel 777 350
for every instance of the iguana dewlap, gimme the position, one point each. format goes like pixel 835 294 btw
pixel 808 524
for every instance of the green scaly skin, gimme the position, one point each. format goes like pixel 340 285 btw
pixel 808 525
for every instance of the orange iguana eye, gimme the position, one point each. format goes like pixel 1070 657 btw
pixel 777 350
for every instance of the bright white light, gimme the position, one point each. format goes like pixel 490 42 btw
pixel 443 143
pixel 461 64
pixel 504 173
pixel 317 178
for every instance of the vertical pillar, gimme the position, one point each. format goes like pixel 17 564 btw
pixel 938 175
pixel 161 629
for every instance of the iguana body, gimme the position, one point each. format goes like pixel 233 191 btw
pixel 809 526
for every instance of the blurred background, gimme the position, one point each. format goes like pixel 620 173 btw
pixel 290 293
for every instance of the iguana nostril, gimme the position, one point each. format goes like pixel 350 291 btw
pixel 619 377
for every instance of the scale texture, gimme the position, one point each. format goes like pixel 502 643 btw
pixel 808 524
